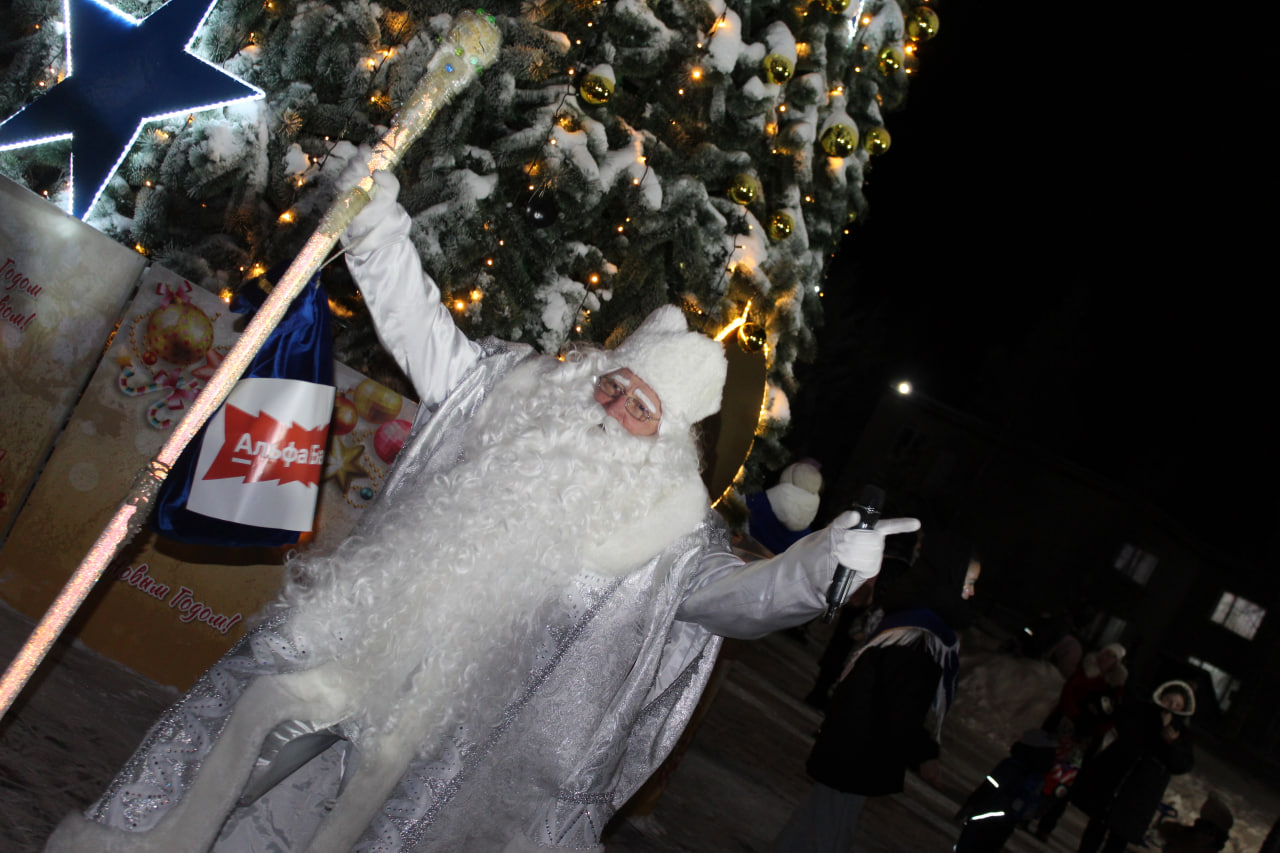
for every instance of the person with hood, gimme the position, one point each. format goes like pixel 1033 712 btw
pixel 1121 787
pixel 886 713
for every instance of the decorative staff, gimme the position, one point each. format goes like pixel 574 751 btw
pixel 469 48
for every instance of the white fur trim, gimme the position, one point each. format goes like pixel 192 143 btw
pixel 685 369
pixel 794 506
pixel 1186 688
pixel 804 475
pixel 75 834
pixel 675 514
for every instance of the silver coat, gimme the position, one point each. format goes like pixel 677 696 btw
pixel 619 669
pixel 616 679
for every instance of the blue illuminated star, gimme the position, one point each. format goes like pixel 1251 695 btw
pixel 122 73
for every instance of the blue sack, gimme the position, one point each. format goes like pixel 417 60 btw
pixel 300 348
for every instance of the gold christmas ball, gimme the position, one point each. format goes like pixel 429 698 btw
pixel 781 225
pixel 876 140
pixel 778 69
pixel 751 337
pixel 596 89
pixel 891 59
pixel 377 403
pixel 179 332
pixel 744 188
pixel 835 7
pixel 922 24
pixel 839 140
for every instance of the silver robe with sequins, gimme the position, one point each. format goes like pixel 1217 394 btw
pixel 618 672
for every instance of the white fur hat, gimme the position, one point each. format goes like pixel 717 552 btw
pixel 686 369
pixel 804 475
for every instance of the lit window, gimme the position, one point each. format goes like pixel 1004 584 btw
pixel 1238 615
pixel 1136 564
pixel 1224 685
pixel 1112 632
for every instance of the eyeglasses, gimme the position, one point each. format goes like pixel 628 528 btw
pixel 613 389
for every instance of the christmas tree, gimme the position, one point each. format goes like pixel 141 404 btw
pixel 618 156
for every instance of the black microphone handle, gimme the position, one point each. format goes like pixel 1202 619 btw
pixel 838 591
pixel 869 505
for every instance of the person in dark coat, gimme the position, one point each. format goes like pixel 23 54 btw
pixel 1011 792
pixel 1122 786
pixel 1085 713
pixel 886 713
pixel 859 619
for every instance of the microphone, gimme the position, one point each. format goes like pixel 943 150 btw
pixel 869 505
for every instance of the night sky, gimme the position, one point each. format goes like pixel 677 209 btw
pixel 1069 238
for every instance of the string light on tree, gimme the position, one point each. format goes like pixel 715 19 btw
pixel 747 159
pixel 736 324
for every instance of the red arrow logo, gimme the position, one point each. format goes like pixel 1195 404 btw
pixel 260 448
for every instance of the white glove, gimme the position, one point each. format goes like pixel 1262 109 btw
pixel 862 550
pixel 382 202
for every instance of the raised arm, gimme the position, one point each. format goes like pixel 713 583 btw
pixel 412 322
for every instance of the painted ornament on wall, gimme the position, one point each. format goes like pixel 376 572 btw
pixel 370 425
pixel 170 354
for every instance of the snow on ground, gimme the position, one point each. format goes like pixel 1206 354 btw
pixel 1000 696
pixel 84 714
pixel 68 733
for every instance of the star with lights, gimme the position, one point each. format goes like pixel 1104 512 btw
pixel 122 74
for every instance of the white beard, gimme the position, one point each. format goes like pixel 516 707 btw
pixel 452 583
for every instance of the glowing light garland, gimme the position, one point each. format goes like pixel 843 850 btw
pixel 469 48
pixel 122 73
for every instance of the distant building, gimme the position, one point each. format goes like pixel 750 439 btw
pixel 1064 549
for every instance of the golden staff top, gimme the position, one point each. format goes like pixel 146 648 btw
pixel 469 48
